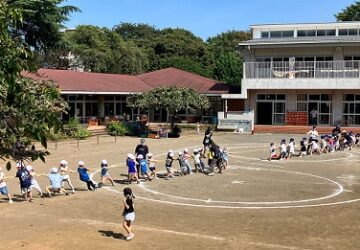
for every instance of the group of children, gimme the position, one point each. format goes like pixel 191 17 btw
pixel 337 141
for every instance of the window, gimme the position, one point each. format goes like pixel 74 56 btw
pixel 302 97
pixel 314 97
pixel 353 32
pixel 301 33
pixel 321 33
pixel 275 34
pixel 330 32
pixel 348 32
pixel 343 32
pixel 264 34
pixel 289 33
pixel 351 109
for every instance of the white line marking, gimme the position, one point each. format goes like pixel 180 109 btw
pixel 152 229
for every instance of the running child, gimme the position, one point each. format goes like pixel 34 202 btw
pixel 84 176
pixel 151 163
pixel 64 172
pixel 131 164
pixel 3 187
pixel 129 212
pixel 104 173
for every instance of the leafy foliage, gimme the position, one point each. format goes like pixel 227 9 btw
pixel 172 99
pixel 350 13
pixel 74 129
pixel 28 109
pixel 117 129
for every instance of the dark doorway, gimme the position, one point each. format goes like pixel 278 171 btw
pixel 311 106
pixel 264 113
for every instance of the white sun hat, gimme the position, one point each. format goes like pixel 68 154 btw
pixel 131 156
pixel 104 162
pixel 54 170
pixel 63 162
pixel 81 163
pixel 29 168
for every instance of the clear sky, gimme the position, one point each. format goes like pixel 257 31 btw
pixel 204 18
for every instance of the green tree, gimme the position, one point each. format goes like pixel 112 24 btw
pixel 172 99
pixel 41 22
pixel 228 63
pixel 228 68
pixel 28 109
pixel 350 13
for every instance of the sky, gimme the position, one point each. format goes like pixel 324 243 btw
pixel 205 18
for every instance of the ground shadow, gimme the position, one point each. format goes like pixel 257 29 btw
pixel 122 181
pixel 112 234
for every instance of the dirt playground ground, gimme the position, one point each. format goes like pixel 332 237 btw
pixel 301 203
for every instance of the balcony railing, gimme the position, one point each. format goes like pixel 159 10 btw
pixel 308 69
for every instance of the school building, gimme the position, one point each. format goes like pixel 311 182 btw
pixel 98 98
pixel 292 69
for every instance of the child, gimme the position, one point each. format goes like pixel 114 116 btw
pixel 84 176
pixel 131 164
pixel 25 182
pixel 291 148
pixel 314 148
pixel 283 150
pixel 273 155
pixel 323 144
pixel 129 212
pixel 151 163
pixel 55 183
pixel 197 159
pixel 3 187
pixel 187 156
pixel 182 163
pixel 168 165
pixel 225 157
pixel 303 147
pixel 143 167
pixel 105 176
pixel 64 172
pixel 34 183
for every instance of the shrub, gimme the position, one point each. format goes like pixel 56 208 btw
pixel 117 129
pixel 74 129
pixel 82 133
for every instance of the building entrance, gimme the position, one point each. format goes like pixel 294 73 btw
pixel 264 113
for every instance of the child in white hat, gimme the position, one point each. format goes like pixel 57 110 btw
pixel 64 172
pixel 105 176
pixel 84 176
pixel 3 186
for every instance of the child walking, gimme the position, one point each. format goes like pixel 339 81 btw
pixel 3 186
pixel 84 176
pixel 144 167
pixel 129 212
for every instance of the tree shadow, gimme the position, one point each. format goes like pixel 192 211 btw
pixel 112 234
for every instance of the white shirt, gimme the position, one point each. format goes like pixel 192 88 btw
pixel 2 182
pixel 283 148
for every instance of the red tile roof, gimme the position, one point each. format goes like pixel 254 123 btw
pixel 93 82
pixel 179 78
pixel 74 81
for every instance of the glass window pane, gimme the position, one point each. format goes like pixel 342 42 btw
pixel 324 119
pixel 349 97
pixel 264 34
pixel 326 97
pixel 330 32
pixel 109 98
pixel 314 97
pixel 321 33
pixel 271 97
pixel 279 119
pixel 357 97
pixel 279 107
pixel 343 32
pixel 357 120
pixel 345 108
pixel 80 97
pixel 275 33
pixel 261 96
pixel 109 109
pixel 301 33
pixel 72 97
pixel 353 32
pixel 311 33
pixel 289 33
pixel 79 109
pixel 281 97
pixel 324 108
pixel 351 108
pixel 357 108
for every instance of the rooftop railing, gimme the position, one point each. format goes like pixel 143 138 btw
pixel 307 69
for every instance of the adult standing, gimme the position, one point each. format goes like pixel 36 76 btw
pixel 214 157
pixel 313 115
pixel 141 149
pixel 207 139
pixel 313 137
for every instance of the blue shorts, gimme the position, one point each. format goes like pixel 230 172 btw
pixel 144 170
pixel 4 190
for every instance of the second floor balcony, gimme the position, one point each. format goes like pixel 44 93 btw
pixel 302 69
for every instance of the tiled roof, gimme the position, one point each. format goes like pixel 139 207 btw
pixel 73 81
pixel 93 82
pixel 179 78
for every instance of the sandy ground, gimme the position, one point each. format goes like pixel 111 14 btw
pixel 301 203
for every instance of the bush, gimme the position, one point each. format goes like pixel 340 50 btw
pixel 82 133
pixel 117 129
